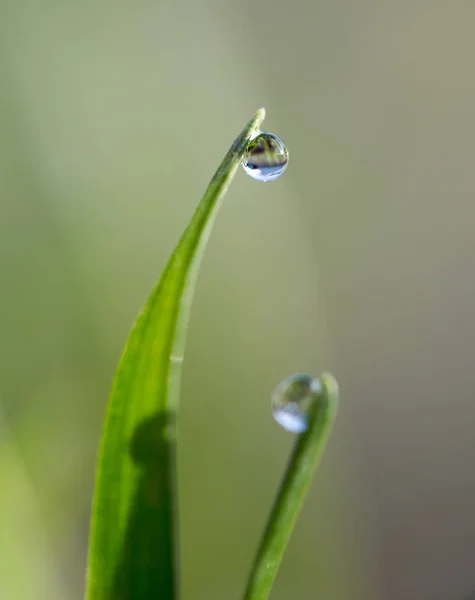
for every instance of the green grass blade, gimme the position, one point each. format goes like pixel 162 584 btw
pixel 308 449
pixel 133 541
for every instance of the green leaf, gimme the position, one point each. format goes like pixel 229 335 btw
pixel 305 458
pixel 133 551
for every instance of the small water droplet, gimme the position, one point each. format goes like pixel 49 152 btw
pixel 292 401
pixel 266 157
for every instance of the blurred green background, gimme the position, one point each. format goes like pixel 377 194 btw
pixel 360 260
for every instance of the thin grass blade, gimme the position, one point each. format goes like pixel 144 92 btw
pixel 305 458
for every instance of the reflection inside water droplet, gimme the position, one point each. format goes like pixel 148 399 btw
pixel 292 401
pixel 266 157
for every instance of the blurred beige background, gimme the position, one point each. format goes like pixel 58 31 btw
pixel 360 260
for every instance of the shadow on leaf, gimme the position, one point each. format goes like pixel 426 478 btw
pixel 146 569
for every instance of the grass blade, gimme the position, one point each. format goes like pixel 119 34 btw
pixel 308 449
pixel 133 541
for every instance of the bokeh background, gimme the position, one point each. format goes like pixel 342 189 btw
pixel 360 260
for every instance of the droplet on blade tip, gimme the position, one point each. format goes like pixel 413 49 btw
pixel 293 400
pixel 266 157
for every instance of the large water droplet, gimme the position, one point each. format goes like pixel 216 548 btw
pixel 292 401
pixel 266 157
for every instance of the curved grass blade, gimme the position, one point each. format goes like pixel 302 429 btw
pixel 306 455
pixel 133 540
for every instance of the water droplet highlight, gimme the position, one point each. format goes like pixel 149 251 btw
pixel 266 157
pixel 292 401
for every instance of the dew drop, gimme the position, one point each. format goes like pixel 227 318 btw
pixel 266 157
pixel 292 401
